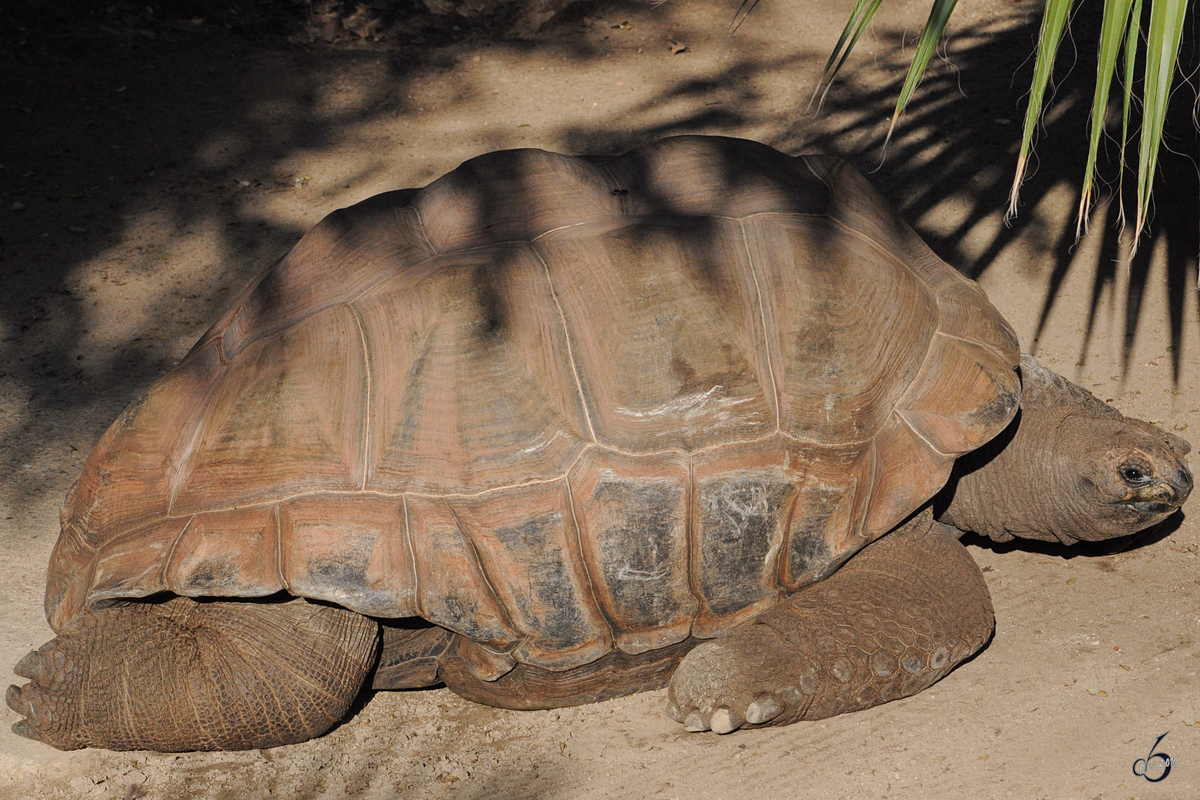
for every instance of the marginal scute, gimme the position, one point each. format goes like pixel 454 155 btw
pixel 907 473
pixel 68 579
pixel 632 515
pixel 452 589
pixel 132 565
pixel 528 544
pixel 349 550
pixel 229 553
pixel 483 662
pixel 822 531
pixel 742 498
pixel 964 395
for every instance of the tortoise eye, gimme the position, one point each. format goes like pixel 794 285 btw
pixel 1133 475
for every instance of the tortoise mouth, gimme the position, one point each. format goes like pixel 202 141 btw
pixel 1151 508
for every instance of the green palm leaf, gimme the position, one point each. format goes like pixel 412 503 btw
pixel 1162 48
pixel 1131 43
pixel 1053 20
pixel 939 15
pixel 860 18
pixel 1113 29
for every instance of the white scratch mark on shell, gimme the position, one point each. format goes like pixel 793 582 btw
pixel 628 573
pixel 689 405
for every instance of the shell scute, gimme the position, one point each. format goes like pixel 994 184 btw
pixel 907 473
pixel 741 502
pixel 472 385
pixel 127 479
pixel 714 176
pixel 350 550
pixel 670 356
pixel 633 530
pixel 230 553
pixel 287 418
pixel 513 195
pixel 452 589
pixel 346 253
pixel 528 545
pixel 825 287
pixel 131 565
pixel 826 525
pixel 963 392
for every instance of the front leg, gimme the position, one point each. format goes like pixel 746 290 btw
pixel 896 618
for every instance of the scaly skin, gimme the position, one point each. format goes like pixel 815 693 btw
pixel 895 619
pixel 184 675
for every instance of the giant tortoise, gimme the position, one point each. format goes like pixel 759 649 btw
pixel 556 429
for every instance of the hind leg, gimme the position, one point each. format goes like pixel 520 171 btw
pixel 409 654
pixel 895 619
pixel 188 675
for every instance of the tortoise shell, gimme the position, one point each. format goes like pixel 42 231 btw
pixel 555 404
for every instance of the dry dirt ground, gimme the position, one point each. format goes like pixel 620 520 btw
pixel 154 159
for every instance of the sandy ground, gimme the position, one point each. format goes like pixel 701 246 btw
pixel 153 164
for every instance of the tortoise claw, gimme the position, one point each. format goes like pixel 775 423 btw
pixel 764 709
pixel 46 666
pixel 31 667
pixel 23 730
pixel 15 699
pixel 725 720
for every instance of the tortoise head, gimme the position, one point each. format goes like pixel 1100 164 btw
pixel 1130 474
pixel 1069 468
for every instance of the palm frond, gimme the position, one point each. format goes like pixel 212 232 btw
pixel 1054 19
pixel 1121 29
pixel 1162 49
pixel 1132 37
pixel 935 26
pixel 860 18
pixel 1113 29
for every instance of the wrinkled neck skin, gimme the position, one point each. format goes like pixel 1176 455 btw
pixel 1069 468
